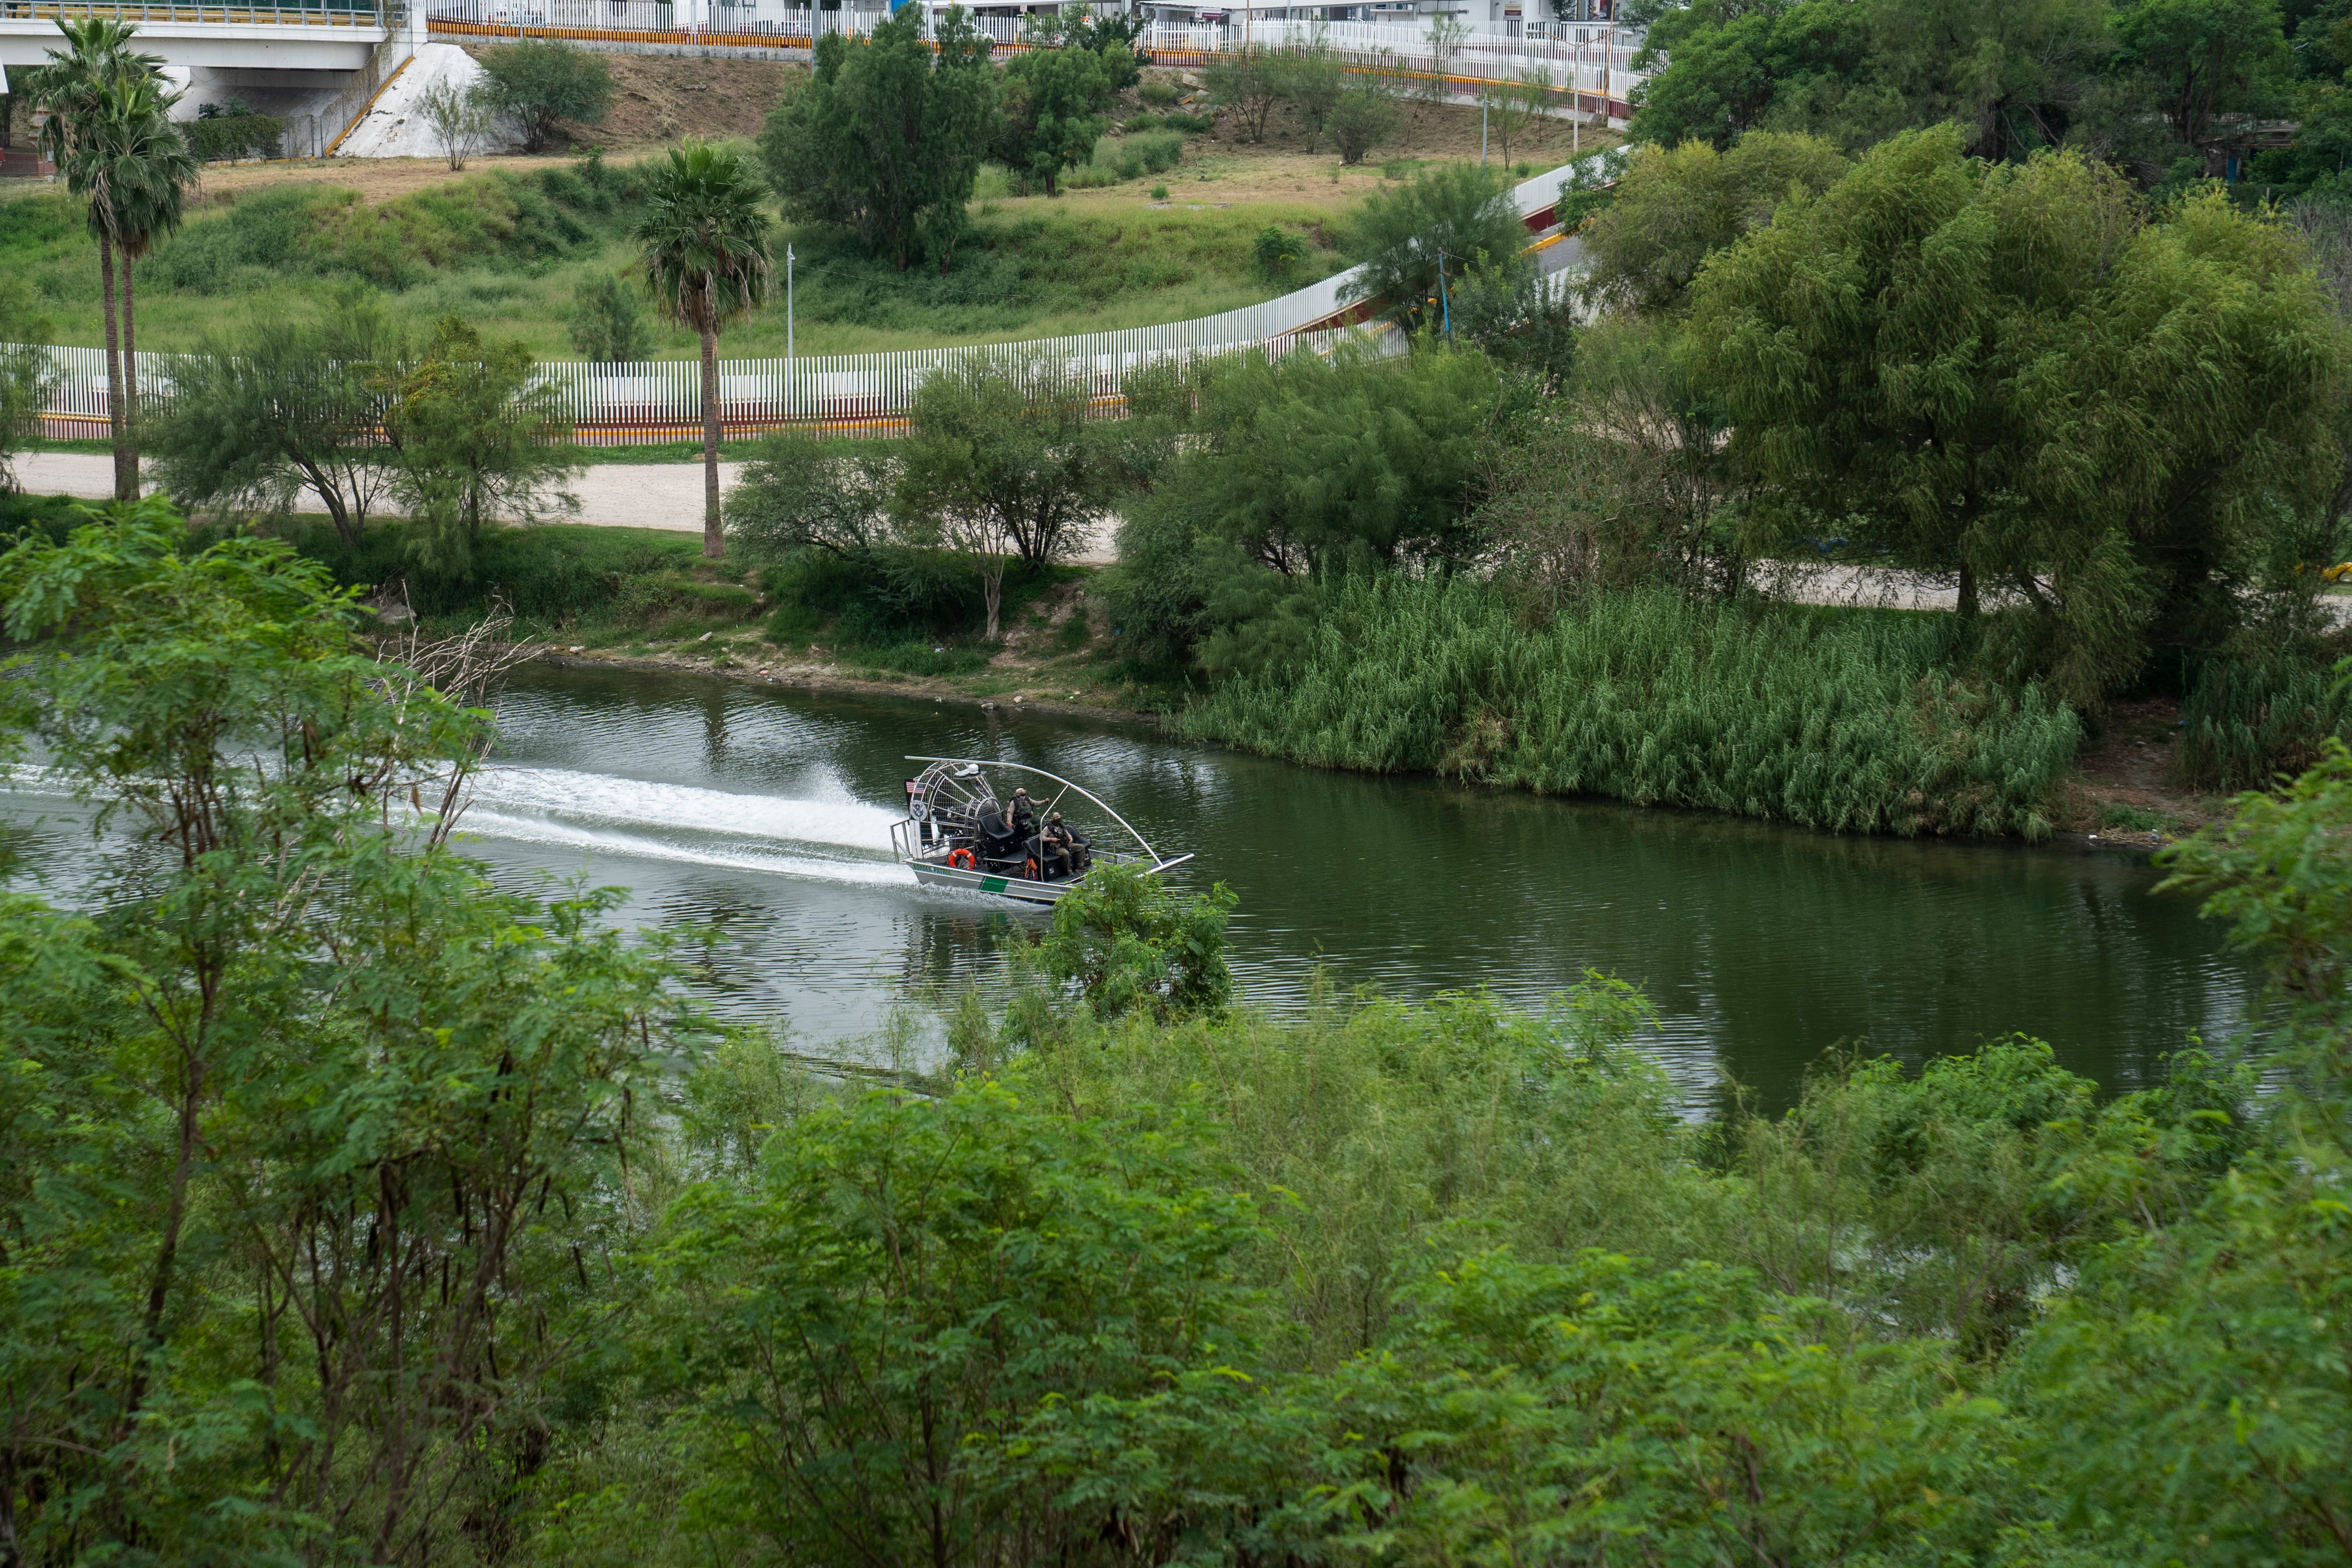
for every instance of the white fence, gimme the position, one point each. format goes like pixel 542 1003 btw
pixel 1597 60
pixel 650 400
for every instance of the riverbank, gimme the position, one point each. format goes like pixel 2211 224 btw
pixel 645 600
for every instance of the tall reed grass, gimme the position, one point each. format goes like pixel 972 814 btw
pixel 1852 721
pixel 2248 722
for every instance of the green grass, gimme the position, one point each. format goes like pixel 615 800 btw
pixel 1843 719
pixel 509 252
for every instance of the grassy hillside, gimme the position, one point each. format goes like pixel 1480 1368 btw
pixel 510 250
pixel 510 242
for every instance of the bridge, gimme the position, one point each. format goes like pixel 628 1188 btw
pixel 314 65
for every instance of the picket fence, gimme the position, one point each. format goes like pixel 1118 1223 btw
pixel 1595 61
pixel 627 402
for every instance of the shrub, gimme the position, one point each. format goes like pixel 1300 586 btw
pixel 1359 121
pixel 1848 720
pixel 1277 252
pixel 222 137
pixel 541 81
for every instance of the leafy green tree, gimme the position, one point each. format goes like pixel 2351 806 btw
pixel 1312 465
pixel 1677 206
pixel 2018 74
pixel 2202 57
pixel 1056 106
pixel 608 325
pixel 1129 945
pixel 1444 225
pixel 703 243
pixel 477 437
pixel 25 371
pixel 1005 460
pixel 1109 35
pixel 1624 480
pixel 2187 1388
pixel 1728 64
pixel 301 1069
pixel 1888 354
pixel 543 82
pixel 284 409
pixel 906 1282
pixel 885 138
pixel 1249 83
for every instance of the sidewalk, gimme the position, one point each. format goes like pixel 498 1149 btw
pixel 612 495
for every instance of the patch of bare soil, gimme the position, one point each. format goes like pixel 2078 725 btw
pixel 2128 772
pixel 658 98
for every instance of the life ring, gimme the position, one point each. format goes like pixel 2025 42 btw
pixel 961 859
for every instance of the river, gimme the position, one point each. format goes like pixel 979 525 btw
pixel 758 817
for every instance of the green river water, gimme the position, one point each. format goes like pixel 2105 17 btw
pixel 761 816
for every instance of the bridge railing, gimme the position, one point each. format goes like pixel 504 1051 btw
pixel 295 14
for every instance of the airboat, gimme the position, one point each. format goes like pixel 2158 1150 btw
pixel 964 829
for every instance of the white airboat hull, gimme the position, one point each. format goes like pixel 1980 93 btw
pixel 973 881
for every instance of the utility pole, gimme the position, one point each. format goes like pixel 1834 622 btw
pixel 792 385
pixel 1486 96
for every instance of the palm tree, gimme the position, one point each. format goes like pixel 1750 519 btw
pixel 137 167
pixel 704 242
pixel 71 88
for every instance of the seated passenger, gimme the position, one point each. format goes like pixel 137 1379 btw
pixel 1064 849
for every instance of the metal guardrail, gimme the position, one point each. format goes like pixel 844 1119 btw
pixel 169 12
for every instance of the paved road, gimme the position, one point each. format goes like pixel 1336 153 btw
pixel 612 495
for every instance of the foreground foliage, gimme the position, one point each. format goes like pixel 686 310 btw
pixel 359 1212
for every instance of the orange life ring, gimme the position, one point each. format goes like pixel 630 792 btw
pixel 961 859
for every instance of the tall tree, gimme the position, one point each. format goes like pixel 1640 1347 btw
pixel 704 246
pixel 137 168
pixel 886 140
pixel 2202 59
pixel 1005 461
pixel 2012 373
pixel 70 90
pixel 1056 103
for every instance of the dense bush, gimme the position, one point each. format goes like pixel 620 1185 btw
pixel 1840 719
pixel 545 84
pixel 227 136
